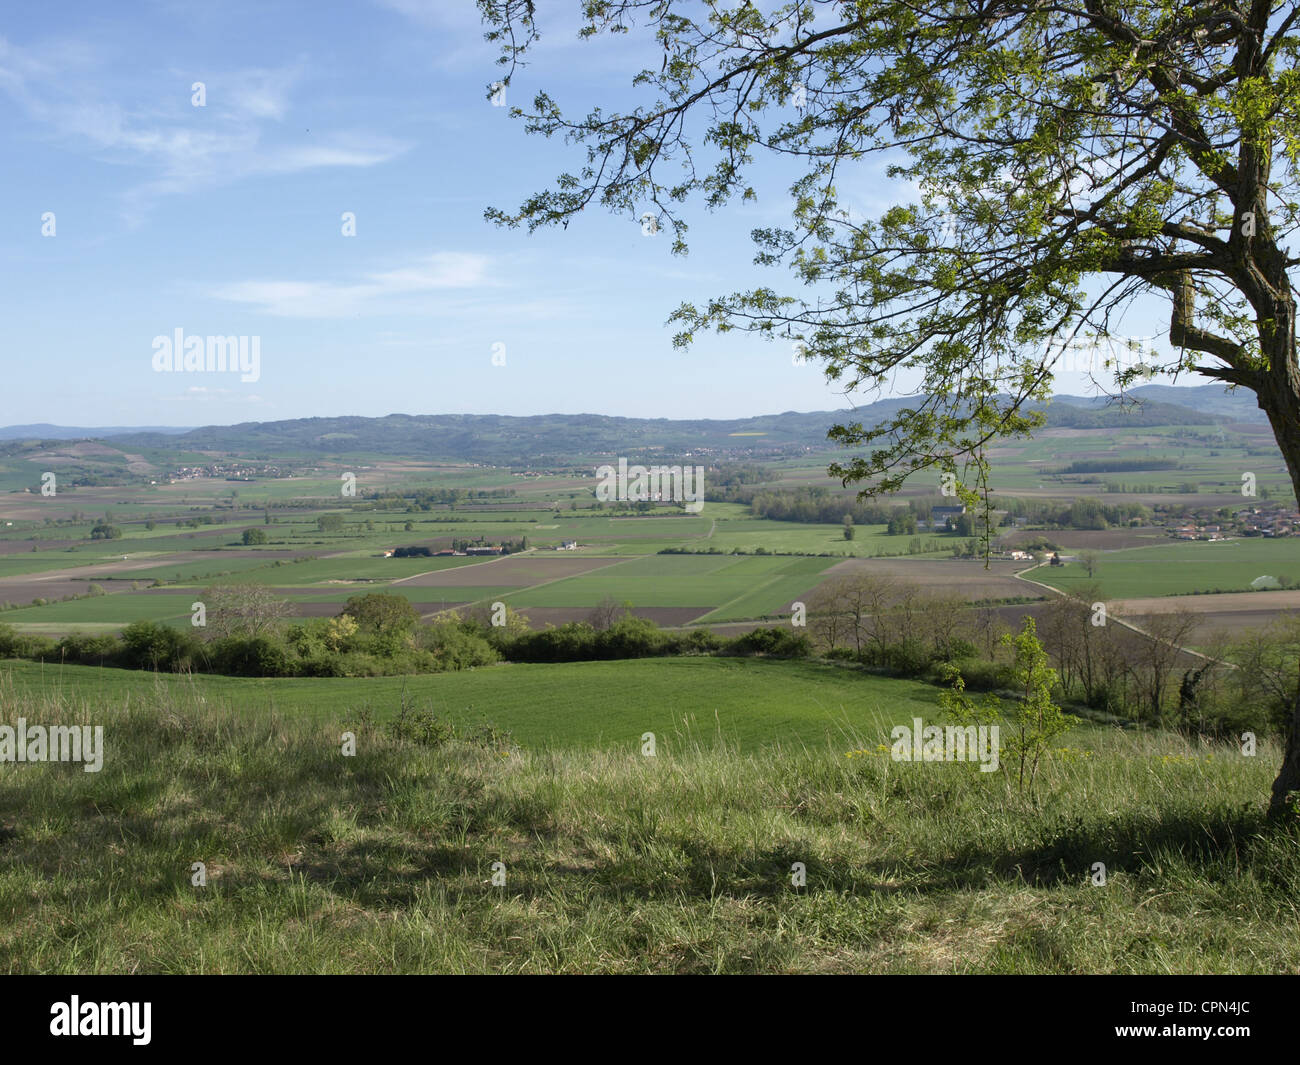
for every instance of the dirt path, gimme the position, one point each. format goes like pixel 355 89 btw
pixel 1116 619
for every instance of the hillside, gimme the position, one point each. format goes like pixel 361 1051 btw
pixel 469 853
pixel 569 439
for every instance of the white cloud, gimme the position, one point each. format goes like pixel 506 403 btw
pixel 376 293
pixel 185 148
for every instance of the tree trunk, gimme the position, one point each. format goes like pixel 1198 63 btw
pixel 1288 777
pixel 1280 400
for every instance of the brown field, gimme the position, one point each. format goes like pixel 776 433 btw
pixel 1013 616
pixel 514 571
pixel 14 547
pixel 54 584
pixel 1233 613
pixel 1091 539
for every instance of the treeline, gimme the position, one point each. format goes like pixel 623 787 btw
pixel 1086 512
pixel 427 498
pixel 734 474
pixel 246 633
pixel 1142 676
pixel 1116 465
pixel 816 505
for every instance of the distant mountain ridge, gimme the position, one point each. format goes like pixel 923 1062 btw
pixel 1205 399
pixel 562 439
pixel 45 431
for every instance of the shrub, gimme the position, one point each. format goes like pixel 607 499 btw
pixel 979 674
pixel 96 650
pixel 630 637
pixel 420 727
pixel 148 645
pixel 774 642
pixel 252 656
pixel 382 612
pixel 907 658
pixel 453 646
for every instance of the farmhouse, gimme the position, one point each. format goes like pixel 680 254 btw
pixel 942 517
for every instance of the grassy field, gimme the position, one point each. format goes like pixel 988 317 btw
pixel 746 703
pixel 613 862
pixel 1182 568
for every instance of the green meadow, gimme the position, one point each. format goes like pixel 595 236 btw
pixel 472 853
pixel 1182 568
pixel 746 703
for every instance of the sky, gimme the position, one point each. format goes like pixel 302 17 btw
pixel 132 212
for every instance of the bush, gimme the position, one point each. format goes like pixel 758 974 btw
pixel 382 612
pixel 572 642
pixel 979 674
pixel 89 650
pixel 630 637
pixel 454 646
pixel 773 642
pixel 907 658
pixel 148 645
pixel 252 656
pixel 420 727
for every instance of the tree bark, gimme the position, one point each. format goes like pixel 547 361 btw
pixel 1280 400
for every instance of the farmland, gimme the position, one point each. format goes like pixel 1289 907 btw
pixel 726 567
pixel 743 704
pixel 1182 569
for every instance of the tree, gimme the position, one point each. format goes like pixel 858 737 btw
pixel 104 531
pixel 382 612
pixel 607 612
pixel 848 526
pixel 330 523
pixel 1157 656
pixel 1069 161
pixel 1090 560
pixel 1037 720
pixel 243 610
pixel 339 632
pixel 252 537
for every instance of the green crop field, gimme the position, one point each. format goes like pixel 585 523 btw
pixel 743 702
pixel 715 581
pixel 118 608
pixel 1182 568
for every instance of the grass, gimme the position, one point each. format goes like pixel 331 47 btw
pixel 728 585
pixel 1182 568
pixel 618 863
pixel 746 703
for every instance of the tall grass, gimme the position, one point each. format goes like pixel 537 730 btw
pixel 614 862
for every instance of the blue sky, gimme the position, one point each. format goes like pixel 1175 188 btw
pixel 226 219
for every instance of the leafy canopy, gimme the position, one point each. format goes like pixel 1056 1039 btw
pixel 1068 157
